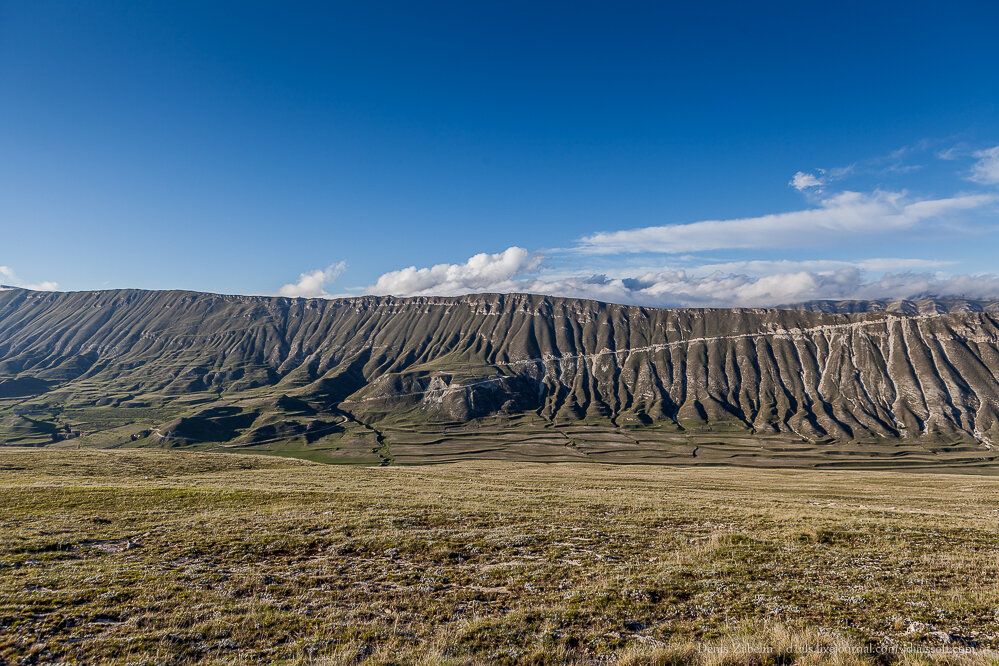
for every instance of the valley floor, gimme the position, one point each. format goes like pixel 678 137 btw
pixel 148 556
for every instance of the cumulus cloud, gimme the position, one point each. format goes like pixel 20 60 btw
pixel 483 272
pixel 986 169
pixel 852 213
pixel 8 276
pixel 803 181
pixel 313 283
pixel 678 288
pixel 749 284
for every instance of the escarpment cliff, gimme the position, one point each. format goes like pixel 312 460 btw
pixel 921 373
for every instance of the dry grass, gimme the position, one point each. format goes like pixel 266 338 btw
pixel 165 557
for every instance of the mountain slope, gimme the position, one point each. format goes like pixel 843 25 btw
pixel 918 306
pixel 391 379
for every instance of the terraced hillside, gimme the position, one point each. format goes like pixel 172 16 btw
pixel 502 376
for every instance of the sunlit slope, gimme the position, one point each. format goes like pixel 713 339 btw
pixel 502 369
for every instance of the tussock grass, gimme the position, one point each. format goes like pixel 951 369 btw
pixel 131 556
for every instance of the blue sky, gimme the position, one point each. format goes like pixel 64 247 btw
pixel 717 153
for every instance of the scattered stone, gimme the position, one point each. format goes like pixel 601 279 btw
pixel 944 637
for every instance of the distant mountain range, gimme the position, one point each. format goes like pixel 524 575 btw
pixel 914 307
pixel 513 376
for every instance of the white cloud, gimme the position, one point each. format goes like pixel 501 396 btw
pixel 8 276
pixel 677 288
pixel 681 289
pixel 986 169
pixel 313 283
pixel 768 267
pixel 846 213
pixel 803 181
pixel 749 284
pixel 483 272
pixel 949 154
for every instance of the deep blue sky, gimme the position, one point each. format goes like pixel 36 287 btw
pixel 231 146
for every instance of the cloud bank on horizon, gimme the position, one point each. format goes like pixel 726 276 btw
pixel 517 270
pixel 676 269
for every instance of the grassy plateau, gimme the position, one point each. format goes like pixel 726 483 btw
pixel 135 556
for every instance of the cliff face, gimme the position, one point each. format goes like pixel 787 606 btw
pixel 826 371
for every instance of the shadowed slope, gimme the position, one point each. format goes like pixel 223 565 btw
pixel 407 370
